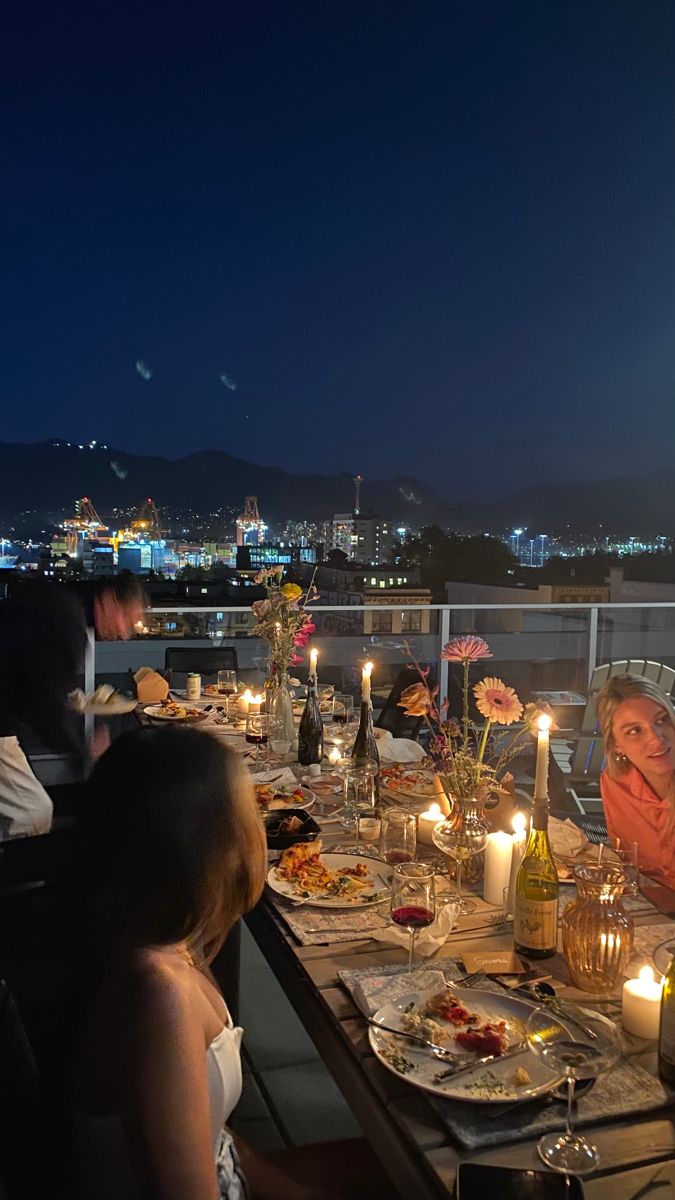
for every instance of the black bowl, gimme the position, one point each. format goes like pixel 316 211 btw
pixel 281 841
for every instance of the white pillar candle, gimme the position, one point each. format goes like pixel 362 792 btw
pixel 641 1005
pixel 518 844
pixel 426 822
pixel 254 704
pixel 365 683
pixel 334 756
pixel 313 656
pixel 497 867
pixel 541 774
pixel 244 701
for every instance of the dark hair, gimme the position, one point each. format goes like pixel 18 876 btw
pixel 171 840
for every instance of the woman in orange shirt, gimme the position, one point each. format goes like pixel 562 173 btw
pixel 637 721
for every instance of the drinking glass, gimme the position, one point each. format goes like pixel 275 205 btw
pixel 413 899
pixel 461 835
pixel 581 1051
pixel 227 686
pixel 343 709
pixel 359 797
pixel 280 743
pixel 257 732
pixel 628 854
pixel 399 836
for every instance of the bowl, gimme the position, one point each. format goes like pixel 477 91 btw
pixel 276 840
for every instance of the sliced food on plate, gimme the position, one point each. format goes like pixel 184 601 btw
pixel 270 797
pixel 172 710
pixel 411 781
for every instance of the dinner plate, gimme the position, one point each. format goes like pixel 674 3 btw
pixel 308 797
pixel 86 703
pixel 492 1083
pixel 157 713
pixel 375 895
pixel 663 953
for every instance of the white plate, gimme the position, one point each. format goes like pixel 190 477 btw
pixel 334 862
pixel 87 703
pixel 157 713
pixel 308 797
pixel 493 1083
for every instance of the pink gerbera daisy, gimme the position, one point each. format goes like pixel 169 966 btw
pixel 467 649
pixel 497 702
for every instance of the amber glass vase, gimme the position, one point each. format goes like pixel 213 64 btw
pixel 597 932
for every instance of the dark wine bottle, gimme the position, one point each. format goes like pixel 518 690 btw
pixel 365 747
pixel 667 1026
pixel 310 733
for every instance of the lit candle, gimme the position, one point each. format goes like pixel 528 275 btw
pixel 254 703
pixel 426 822
pixel 365 683
pixel 518 844
pixel 245 700
pixel 641 1005
pixel 334 756
pixel 541 774
pixel 497 866
pixel 313 656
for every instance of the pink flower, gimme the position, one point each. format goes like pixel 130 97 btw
pixel 466 649
pixel 261 608
pixel 295 660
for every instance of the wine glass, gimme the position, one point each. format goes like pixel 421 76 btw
pixel 280 743
pixel 359 800
pixel 461 835
pixel 413 899
pixel 399 836
pixel 227 686
pixel 257 732
pixel 628 854
pixel 343 709
pixel 581 1051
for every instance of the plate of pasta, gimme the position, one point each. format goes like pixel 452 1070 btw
pixel 304 874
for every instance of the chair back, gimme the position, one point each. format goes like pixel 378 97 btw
pixel 206 660
pixel 588 759
pixel 392 717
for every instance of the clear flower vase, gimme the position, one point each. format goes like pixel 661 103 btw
pixel 280 705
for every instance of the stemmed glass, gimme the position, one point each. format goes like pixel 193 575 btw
pixel 399 836
pixel 257 732
pixel 581 1051
pixel 227 686
pixel 462 834
pixel 413 899
pixel 628 854
pixel 359 800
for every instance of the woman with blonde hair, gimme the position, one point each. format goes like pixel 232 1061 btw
pixel 637 721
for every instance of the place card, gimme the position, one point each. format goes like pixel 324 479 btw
pixel 493 962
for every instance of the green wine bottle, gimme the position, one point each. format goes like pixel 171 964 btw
pixel 535 920
pixel 667 1026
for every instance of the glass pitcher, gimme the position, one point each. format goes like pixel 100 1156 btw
pixel 597 932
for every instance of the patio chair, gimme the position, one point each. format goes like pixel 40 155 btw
pixel 577 762
pixel 204 659
pixel 392 717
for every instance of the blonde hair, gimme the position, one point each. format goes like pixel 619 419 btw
pixel 613 693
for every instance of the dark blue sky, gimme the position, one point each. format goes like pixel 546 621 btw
pixel 436 238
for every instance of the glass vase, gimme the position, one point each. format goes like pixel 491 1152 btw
pixel 280 705
pixel 597 932
pixel 462 836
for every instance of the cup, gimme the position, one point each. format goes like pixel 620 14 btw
pixel 399 836
pixel 279 741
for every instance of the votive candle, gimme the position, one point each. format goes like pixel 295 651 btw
pixel 641 1005
pixel 426 822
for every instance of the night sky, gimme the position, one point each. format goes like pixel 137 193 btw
pixel 433 238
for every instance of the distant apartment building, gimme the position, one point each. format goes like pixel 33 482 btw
pixel 376 588
pixel 364 539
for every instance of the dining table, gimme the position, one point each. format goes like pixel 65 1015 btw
pixel 411 1131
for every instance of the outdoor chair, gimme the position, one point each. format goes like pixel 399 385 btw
pixel 392 717
pixel 577 761
pixel 203 659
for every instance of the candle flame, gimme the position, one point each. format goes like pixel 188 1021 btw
pixel 248 696
pixel 334 756
pixel 367 669
pixel 544 722
pixel 435 812
pixel 519 822
pixel 646 975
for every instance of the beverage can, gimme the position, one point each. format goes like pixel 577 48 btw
pixel 193 685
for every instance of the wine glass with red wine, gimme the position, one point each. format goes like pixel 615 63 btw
pixel 257 732
pixel 399 836
pixel 413 899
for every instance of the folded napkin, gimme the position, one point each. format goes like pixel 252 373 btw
pixel 281 777
pixel 371 993
pixel 399 750
pixel 567 840
pixel 428 940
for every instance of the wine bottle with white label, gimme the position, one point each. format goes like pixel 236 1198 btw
pixel 667 1026
pixel 535 919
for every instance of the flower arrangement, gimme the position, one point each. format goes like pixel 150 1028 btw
pixel 463 753
pixel 282 619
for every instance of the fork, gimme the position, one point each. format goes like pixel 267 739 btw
pixel 467 981
pixel 439 1051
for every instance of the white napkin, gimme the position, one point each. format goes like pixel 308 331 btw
pixel 399 750
pixel 428 940
pixel 374 992
pixel 567 840
pixel 281 777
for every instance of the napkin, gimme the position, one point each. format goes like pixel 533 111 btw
pixel 399 750
pixel 372 993
pixel 428 940
pixel 567 840
pixel 281 777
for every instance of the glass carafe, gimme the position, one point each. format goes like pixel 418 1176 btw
pixel 597 932
pixel 280 705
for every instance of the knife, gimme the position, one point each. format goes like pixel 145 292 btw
pixel 453 1072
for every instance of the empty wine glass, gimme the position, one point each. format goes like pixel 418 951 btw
pixel 580 1051
pixel 257 732
pixel 461 835
pixel 628 854
pixel 280 743
pixel 359 800
pixel 343 709
pixel 413 899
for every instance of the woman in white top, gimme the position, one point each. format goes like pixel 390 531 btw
pixel 175 853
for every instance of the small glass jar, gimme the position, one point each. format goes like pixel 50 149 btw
pixel 597 932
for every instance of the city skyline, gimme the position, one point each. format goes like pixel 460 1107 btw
pixel 442 239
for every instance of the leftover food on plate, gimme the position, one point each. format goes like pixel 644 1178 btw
pixel 290 824
pixel 270 797
pixel 301 866
pixel 418 781
pixel 172 710
pixel 448 1006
